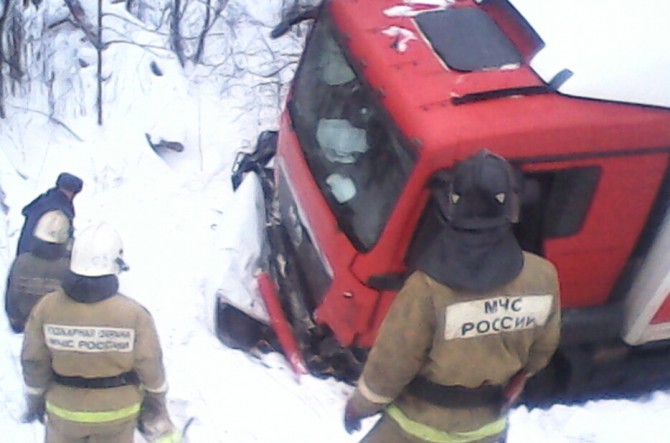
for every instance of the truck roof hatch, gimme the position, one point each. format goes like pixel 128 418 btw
pixel 467 39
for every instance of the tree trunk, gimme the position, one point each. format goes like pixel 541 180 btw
pixel 15 45
pixel 197 58
pixel 3 21
pixel 210 19
pixel 175 33
pixel 99 71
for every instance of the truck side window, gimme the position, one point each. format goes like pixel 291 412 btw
pixel 568 200
pixel 558 209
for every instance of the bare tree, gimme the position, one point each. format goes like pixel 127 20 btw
pixel 187 16
pixel 176 40
pixel 83 22
pixel 11 40
pixel 4 13
pixel 94 36
pixel 222 40
pixel 15 44
pixel 208 24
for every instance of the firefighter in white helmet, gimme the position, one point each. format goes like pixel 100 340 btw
pixel 475 320
pixel 40 270
pixel 91 358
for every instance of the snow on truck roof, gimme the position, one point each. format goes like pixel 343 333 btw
pixel 617 50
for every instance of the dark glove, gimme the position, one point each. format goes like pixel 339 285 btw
pixel 352 417
pixel 358 407
pixel 36 409
pixel 154 421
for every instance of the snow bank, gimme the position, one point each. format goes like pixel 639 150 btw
pixel 178 216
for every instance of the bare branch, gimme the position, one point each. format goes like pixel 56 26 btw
pixel 139 45
pixel 51 119
pixel 130 22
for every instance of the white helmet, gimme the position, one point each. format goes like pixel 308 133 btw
pixel 97 251
pixel 52 227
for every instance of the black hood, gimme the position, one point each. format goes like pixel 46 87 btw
pixel 84 289
pixel 46 250
pixel 478 260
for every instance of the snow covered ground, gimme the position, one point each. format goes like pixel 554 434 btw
pixel 180 221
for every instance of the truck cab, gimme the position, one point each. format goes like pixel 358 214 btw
pixel 389 96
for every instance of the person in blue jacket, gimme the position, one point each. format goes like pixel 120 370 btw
pixel 58 198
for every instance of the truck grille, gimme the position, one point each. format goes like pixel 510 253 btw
pixel 306 267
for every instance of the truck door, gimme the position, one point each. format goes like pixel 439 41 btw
pixel 584 215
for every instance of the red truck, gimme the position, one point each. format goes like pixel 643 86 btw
pixel 390 94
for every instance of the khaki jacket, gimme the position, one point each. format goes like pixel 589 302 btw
pixel 89 340
pixel 30 278
pixel 459 338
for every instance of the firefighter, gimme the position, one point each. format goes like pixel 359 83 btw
pixel 39 271
pixel 476 318
pixel 91 358
pixel 59 198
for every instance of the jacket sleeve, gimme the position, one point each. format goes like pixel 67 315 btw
pixel 30 206
pixel 148 355
pixel 10 291
pixel 402 345
pixel 35 356
pixel 548 337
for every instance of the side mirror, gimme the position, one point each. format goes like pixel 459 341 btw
pixel 293 19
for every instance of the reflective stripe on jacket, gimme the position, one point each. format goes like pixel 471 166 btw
pixel 430 434
pixel 173 437
pixel 94 417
